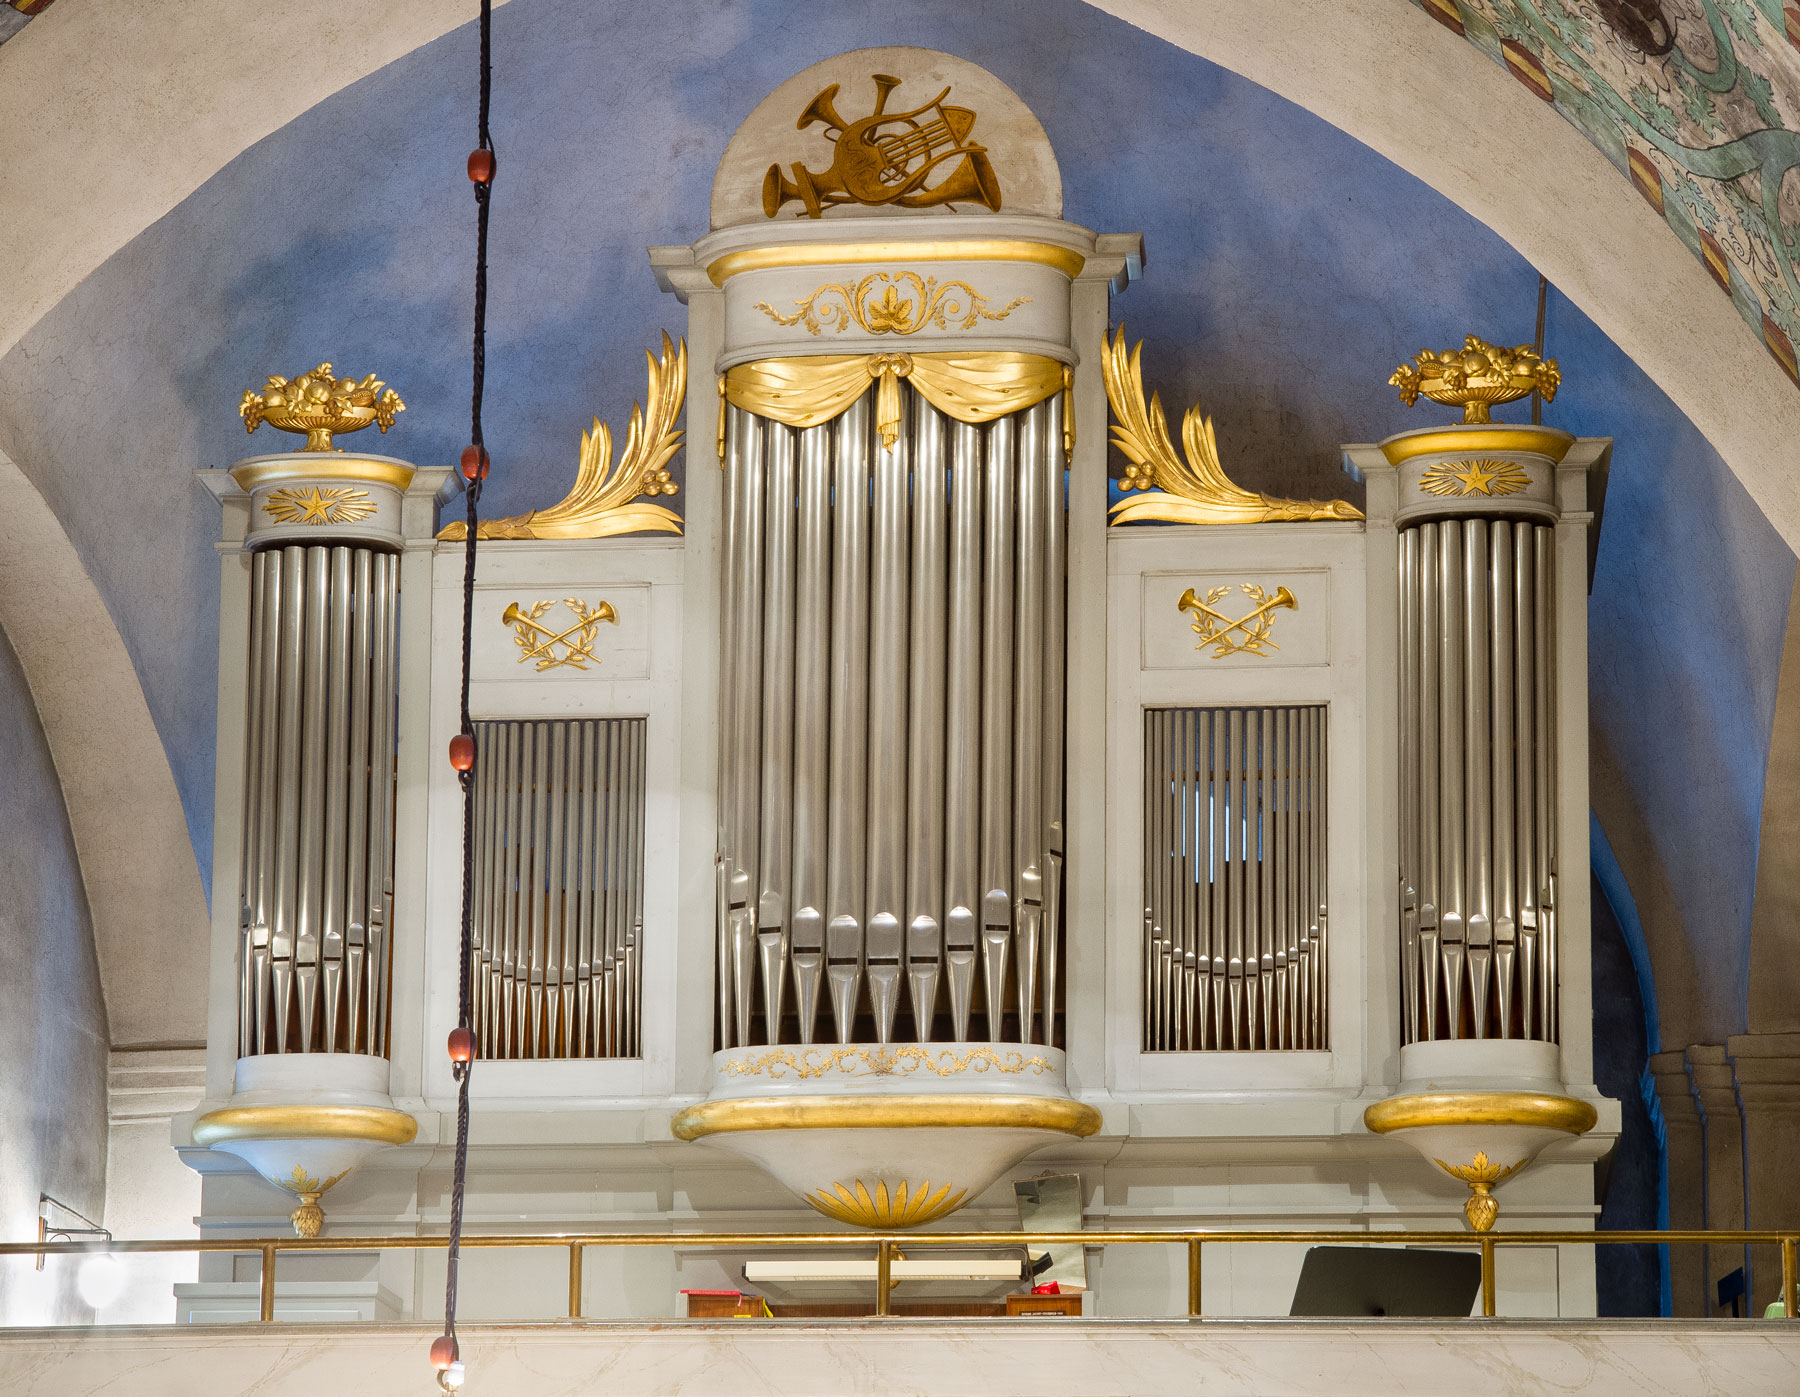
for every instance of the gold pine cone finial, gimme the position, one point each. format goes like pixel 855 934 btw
pixel 321 405
pixel 1476 377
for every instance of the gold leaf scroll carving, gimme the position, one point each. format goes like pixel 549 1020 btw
pixel 888 159
pixel 838 305
pixel 975 388
pixel 604 500
pixel 1191 491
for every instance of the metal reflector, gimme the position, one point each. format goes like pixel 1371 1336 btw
pixel 1235 892
pixel 559 853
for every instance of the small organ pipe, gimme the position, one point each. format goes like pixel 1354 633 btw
pixel 777 769
pixel 925 708
pixel 884 935
pixel 812 694
pixel 962 752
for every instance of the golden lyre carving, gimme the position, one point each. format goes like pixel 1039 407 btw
pixel 1194 491
pixel 1481 1207
pixel 321 405
pixel 1249 634
pixel 605 499
pixel 905 1207
pixel 1474 478
pixel 1476 377
pixel 837 306
pixel 316 504
pixel 886 158
pixel 538 642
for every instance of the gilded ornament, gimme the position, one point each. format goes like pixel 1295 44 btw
pixel 309 1217
pixel 314 504
pixel 838 305
pixel 907 1206
pixel 1191 491
pixel 888 159
pixel 1484 477
pixel 538 642
pixel 1481 1207
pixel 902 1061
pixel 1249 634
pixel 321 405
pixel 604 500
pixel 1476 377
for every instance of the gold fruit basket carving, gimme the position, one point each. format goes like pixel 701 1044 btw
pixel 1477 377
pixel 321 405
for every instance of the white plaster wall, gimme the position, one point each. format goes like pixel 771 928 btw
pixel 53 1036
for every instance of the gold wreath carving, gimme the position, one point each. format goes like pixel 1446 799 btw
pixel 838 305
pixel 906 1206
pixel 1191 491
pixel 604 500
pixel 1252 629
pixel 538 642
pixel 1492 478
pixel 316 504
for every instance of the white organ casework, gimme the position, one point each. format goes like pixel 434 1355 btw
pixel 868 814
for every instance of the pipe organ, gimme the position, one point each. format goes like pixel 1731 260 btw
pixel 882 810
pixel 891 773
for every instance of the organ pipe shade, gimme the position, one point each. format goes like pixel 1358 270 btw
pixel 890 835
pixel 559 888
pixel 1478 780
pixel 318 832
pixel 1235 902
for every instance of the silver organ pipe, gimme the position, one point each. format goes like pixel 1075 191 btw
pixel 318 800
pixel 559 847
pixel 913 595
pixel 1478 793
pixel 1234 879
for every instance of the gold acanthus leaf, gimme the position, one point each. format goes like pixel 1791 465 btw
pixel 605 499
pixel 1191 491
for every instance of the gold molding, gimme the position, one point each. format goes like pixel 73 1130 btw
pixel 1481 1108
pixel 762 259
pixel 809 1062
pixel 932 303
pixel 308 466
pixel 1194 491
pixel 1539 441
pixel 379 1124
pixel 604 500
pixel 905 1207
pixel 875 1112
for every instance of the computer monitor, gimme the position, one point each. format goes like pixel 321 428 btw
pixel 1393 1281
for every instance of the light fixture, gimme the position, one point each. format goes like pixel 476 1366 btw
pixel 101 1279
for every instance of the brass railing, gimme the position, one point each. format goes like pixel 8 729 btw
pixel 886 1243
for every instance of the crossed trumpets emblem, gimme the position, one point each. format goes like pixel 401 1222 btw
pixel 539 642
pixel 1215 628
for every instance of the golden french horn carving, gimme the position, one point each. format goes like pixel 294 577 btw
pixel 604 500
pixel 886 159
pixel 322 405
pixel 1191 491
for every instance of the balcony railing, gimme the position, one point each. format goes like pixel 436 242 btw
pixel 887 1244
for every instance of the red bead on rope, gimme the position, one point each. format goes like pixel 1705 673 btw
pixel 443 1352
pixel 462 751
pixel 475 462
pixel 462 1045
pixel 481 166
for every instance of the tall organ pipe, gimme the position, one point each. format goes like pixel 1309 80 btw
pixel 922 828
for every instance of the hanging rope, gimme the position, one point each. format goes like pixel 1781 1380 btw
pixel 482 165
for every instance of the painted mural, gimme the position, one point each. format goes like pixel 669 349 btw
pixel 1697 102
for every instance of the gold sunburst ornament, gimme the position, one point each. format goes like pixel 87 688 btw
pixel 907 1206
pixel 605 499
pixel 322 405
pixel 318 504
pixel 1476 377
pixel 1482 477
pixel 1191 491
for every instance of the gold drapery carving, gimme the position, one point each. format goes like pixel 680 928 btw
pixel 1191 491
pixel 604 500
pixel 807 390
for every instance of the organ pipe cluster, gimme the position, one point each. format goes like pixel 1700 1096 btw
pixel 1478 779
pixel 1234 876
pixel 318 801
pixel 559 900
pixel 892 728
